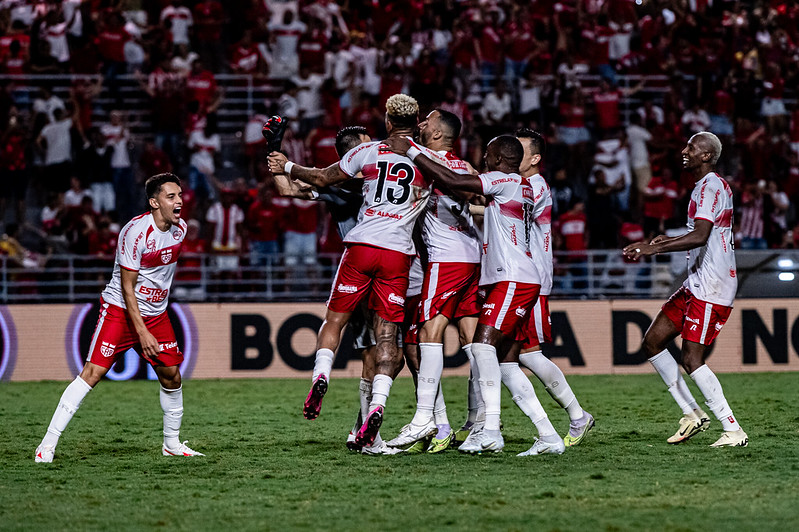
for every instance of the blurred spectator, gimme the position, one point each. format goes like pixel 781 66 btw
pixel 102 240
pixel 254 141
pixel 178 18
pixel 490 51
pixel 603 224
pixel 285 39
pixel 265 222
pixel 606 104
pixel 117 138
pixel 208 20
pixel 74 196
pixel 753 210
pixel 83 93
pixel 46 102
pixel 53 29
pixel 637 138
pixel 201 87
pixel 56 141
pixel 166 88
pixel 659 198
pixel 321 144
pixel 227 221
pixel 54 213
pixel 183 60
pixel 246 58
pixel 111 45
pixel 13 166
pixel 309 98
pixel 81 221
pixel 17 254
pixel 15 62
pixel 496 111
pixel 153 161
pixel 93 164
pixel 695 120
pixel 564 196
pixel 189 273
pixel 288 106
pixel 613 158
pixel 205 145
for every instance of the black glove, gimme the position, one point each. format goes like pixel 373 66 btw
pixel 273 132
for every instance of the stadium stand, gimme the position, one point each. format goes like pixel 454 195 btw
pixel 615 86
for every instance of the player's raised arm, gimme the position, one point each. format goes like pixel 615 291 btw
pixel 292 188
pixel 318 177
pixel 441 174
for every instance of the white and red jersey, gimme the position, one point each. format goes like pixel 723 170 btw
pixel 711 268
pixel 395 193
pixel 541 231
pixel 509 216
pixel 226 226
pixel 448 229
pixel 154 254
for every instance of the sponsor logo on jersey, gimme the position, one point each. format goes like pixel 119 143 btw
pixel 170 345
pixel 394 298
pixel 346 288
pixel 154 295
pixel 527 192
pixel 177 234
pixel 107 349
pixel 369 212
pixel 136 245
pixel 488 305
pixel 503 180
pixel 446 295
pixel 719 326
pixel 692 320
pixel 521 312
pixel 513 234
pixel 732 272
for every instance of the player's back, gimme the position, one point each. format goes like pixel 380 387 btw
pixel 506 230
pixel 395 193
pixel 448 229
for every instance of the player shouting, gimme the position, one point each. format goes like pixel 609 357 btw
pixel 699 309
pixel 133 315
pixel 378 256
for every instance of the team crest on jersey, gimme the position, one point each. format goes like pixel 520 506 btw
pixel 394 298
pixel 166 255
pixel 177 234
pixel 107 349
pixel 521 312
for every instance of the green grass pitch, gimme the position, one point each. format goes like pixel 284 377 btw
pixel 269 469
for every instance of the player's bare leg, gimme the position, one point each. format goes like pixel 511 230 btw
pixel 660 333
pixel 69 403
pixel 171 397
pixel 693 360
pixel 523 393
pixel 327 343
pixel 387 359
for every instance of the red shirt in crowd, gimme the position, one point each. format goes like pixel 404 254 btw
pixel 662 205
pixel 208 18
pixel 607 109
pixel 201 87
pixel 111 44
pixel 312 49
pixel 264 221
pixel 572 228
pixel 302 216
pixel 190 261
pixel 323 147
pixel 12 156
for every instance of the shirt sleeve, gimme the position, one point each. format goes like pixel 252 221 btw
pixel 709 205
pixel 495 183
pixel 353 160
pixel 130 248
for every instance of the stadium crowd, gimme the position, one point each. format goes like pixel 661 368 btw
pixel 562 67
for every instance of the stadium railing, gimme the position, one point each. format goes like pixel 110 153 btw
pixel 592 274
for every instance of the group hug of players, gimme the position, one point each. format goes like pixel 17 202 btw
pixel 417 258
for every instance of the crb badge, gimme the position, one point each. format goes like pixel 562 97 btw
pixel 130 365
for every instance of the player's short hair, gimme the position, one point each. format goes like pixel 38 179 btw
pixel 451 122
pixel 152 187
pixel 712 144
pixel 349 137
pixel 402 110
pixel 537 140
pixel 510 149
